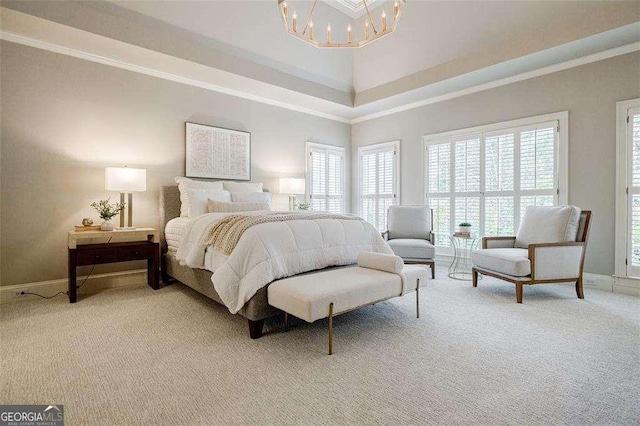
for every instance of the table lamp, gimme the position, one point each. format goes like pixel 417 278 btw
pixel 292 186
pixel 126 181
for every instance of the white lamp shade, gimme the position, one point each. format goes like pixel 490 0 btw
pixel 292 186
pixel 125 179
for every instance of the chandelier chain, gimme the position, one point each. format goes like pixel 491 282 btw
pixel 373 25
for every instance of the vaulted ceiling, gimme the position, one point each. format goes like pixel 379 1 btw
pixel 434 44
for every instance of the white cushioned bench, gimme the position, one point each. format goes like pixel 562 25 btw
pixel 325 294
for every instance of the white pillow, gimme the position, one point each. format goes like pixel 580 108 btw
pixel 242 186
pixel 220 207
pixel 251 197
pixel 196 200
pixel 184 183
pixel 555 224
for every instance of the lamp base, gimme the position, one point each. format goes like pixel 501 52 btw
pixel 125 228
pixel 293 203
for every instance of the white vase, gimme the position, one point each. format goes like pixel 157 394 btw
pixel 464 229
pixel 107 225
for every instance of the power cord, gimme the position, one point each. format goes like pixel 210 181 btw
pixel 24 293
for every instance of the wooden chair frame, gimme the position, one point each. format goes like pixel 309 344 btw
pixel 531 280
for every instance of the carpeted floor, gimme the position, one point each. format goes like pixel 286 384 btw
pixel 132 355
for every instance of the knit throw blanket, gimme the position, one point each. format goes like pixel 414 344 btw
pixel 225 234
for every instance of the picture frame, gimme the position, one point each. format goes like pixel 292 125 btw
pixel 217 153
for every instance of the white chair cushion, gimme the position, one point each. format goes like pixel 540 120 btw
pixel 548 225
pixel 509 261
pixel 409 222
pixel 410 248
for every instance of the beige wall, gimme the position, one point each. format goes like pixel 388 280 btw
pixel 589 93
pixel 65 119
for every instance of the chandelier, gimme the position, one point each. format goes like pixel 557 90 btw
pixel 371 31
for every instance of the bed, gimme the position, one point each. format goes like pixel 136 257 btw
pixel 254 308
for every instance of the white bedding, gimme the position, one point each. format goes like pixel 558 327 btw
pixel 213 259
pixel 173 232
pixel 274 250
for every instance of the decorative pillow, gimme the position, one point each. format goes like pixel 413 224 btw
pixel 251 197
pixel 196 200
pixel 555 224
pixel 184 183
pixel 221 207
pixel 242 186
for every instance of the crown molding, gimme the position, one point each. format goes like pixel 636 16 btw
pixel 610 53
pixel 39 33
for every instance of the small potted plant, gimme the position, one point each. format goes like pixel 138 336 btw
pixel 107 212
pixel 303 206
pixel 464 228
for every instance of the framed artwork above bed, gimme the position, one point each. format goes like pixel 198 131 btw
pixel 217 153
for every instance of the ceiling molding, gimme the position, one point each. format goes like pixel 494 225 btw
pixel 622 50
pixel 39 33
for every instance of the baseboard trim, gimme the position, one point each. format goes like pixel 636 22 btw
pixel 94 283
pixel 626 285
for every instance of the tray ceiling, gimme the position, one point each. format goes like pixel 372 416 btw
pixel 353 8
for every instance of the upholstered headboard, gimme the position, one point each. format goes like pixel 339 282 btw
pixel 169 209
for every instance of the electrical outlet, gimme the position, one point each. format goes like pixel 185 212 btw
pixel 18 293
pixel 590 281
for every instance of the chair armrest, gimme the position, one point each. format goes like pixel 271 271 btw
pixel 432 238
pixel 551 261
pixel 498 242
pixel 385 235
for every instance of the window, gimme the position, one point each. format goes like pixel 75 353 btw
pixel 378 181
pixel 628 190
pixel 489 175
pixel 325 177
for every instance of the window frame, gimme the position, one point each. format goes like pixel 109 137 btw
pixel 316 146
pixel 379 147
pixel 482 132
pixel 623 193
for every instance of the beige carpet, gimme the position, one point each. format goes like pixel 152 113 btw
pixel 131 356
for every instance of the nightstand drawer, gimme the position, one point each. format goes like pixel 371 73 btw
pixel 96 255
pixel 135 252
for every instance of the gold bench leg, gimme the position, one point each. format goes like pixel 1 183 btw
pixel 331 329
pixel 418 298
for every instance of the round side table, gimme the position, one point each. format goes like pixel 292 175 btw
pixel 460 268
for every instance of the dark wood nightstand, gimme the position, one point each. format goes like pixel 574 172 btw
pixel 145 246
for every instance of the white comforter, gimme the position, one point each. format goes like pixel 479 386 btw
pixel 270 251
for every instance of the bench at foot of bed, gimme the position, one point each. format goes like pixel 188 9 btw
pixel 326 294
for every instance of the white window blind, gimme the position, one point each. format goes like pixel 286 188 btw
pixel 488 178
pixel 325 177
pixel 633 196
pixel 378 186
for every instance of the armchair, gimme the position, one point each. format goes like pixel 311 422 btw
pixel 410 235
pixel 550 248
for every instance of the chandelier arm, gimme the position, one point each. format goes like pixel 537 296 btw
pixel 370 19
pixel 309 18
